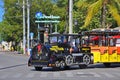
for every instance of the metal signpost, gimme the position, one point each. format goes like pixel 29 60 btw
pixel 31 37
pixel 38 14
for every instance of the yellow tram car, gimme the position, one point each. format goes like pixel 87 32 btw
pixel 104 44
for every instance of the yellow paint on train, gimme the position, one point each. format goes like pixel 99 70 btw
pixel 105 54
pixel 56 48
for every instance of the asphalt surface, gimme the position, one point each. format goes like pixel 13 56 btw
pixel 13 66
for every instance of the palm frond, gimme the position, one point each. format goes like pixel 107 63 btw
pixel 114 13
pixel 118 3
pixel 81 3
pixel 92 10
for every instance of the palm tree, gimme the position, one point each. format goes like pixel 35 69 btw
pixel 105 6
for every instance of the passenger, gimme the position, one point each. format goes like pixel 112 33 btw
pixel 48 46
pixel 59 41
pixel 73 48
pixel 65 41
pixel 39 47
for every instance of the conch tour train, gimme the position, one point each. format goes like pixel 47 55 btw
pixel 87 47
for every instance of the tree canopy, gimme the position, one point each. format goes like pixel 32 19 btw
pixel 87 15
pixel 105 7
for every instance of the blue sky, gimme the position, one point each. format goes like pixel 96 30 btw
pixel 1 10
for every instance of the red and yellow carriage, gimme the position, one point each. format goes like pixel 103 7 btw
pixel 104 44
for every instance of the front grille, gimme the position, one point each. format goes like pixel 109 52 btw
pixel 39 63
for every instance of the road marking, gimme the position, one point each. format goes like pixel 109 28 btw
pixel 69 74
pixel 30 75
pixel 95 74
pixel 56 74
pixel 66 74
pixel 81 74
pixel 89 74
pixel 117 74
pixel 43 74
pixel 1 67
pixel 108 75
pixel 17 75
pixel 4 76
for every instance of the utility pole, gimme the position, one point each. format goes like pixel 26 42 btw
pixel 24 40
pixel 38 32
pixel 28 26
pixel 70 17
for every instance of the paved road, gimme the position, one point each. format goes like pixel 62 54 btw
pixel 14 67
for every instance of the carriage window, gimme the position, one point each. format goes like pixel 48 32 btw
pixel 59 40
pixel 77 41
pixel 111 42
pixel 118 42
pixel 63 39
pixel 53 39
pixel 83 42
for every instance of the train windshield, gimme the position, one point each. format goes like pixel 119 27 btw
pixel 64 38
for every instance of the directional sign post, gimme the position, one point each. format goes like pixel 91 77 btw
pixel 38 16
pixel 31 37
pixel 41 18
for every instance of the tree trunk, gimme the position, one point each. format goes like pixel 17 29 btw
pixel 103 15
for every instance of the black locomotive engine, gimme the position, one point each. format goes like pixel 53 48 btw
pixel 61 51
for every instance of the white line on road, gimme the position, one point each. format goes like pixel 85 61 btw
pixel 108 75
pixel 30 75
pixel 56 74
pixel 17 75
pixel 69 74
pixel 4 76
pixel 80 74
pixel 43 74
pixel 117 74
pixel 95 74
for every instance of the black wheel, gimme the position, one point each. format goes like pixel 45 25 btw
pixel 38 68
pixel 86 59
pixel 107 64
pixel 62 64
pixel 83 66
pixel 57 64
pixel 69 60
pixel 56 68
pixel 66 67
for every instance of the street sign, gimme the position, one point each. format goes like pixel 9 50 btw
pixel 47 21
pixel 49 17
pixel 38 15
pixel 31 35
